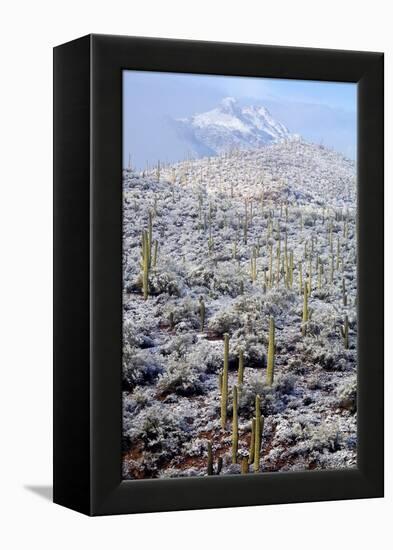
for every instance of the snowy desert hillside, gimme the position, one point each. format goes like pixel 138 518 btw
pixel 231 126
pixel 239 305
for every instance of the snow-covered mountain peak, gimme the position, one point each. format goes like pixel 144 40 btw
pixel 230 126
pixel 228 103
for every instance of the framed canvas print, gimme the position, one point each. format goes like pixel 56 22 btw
pixel 218 275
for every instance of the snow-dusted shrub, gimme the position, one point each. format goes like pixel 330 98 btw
pixel 273 398
pixel 136 335
pixel 250 343
pixel 200 276
pixel 206 356
pixel 277 301
pixel 181 379
pixel 157 429
pixel 227 279
pixel 135 401
pixel 139 367
pixel 179 345
pixel 347 395
pixel 329 356
pixel 184 311
pixel 324 436
pixel 225 320
pixel 163 280
pixel 315 383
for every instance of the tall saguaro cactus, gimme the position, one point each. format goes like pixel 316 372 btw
pixel 271 267
pixel 224 389
pixel 344 293
pixel 240 374
pixel 259 421
pixel 252 443
pixel 235 426
pixel 300 278
pixel 210 470
pixel 305 316
pixel 345 332
pixel 245 225
pixel 244 465
pixel 155 253
pixel 150 230
pixel 270 353
pixel 145 264
pixel 202 311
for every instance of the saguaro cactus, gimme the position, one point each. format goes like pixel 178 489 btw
pixel 344 332
pixel 259 420
pixel 271 267
pixel 319 276
pixel 224 389
pixel 158 170
pixel 278 256
pixel 332 268
pixel 244 465
pixel 235 426
pixel 290 274
pixel 240 373
pixel 202 311
pixel 305 316
pixel 210 470
pixel 155 253
pixel 344 293
pixel 245 225
pixel 150 230
pixel 253 265
pixel 252 442
pixel 220 382
pixel 270 353
pixel 300 277
pixel 145 263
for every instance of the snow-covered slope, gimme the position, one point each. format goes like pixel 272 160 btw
pixel 249 233
pixel 231 126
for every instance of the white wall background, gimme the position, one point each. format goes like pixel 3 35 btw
pixel 29 30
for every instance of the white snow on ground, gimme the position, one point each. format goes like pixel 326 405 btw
pixel 171 397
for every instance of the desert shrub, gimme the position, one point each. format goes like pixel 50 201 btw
pixel 347 395
pixel 139 367
pixel 157 429
pixel 225 320
pixel 331 356
pixel 324 436
pixel 179 345
pixel 135 401
pixel 254 349
pixel 278 301
pixel 165 281
pixel 206 357
pixel 273 398
pixel 136 335
pixel 200 276
pixel 181 379
pixel 185 311
pixel 227 279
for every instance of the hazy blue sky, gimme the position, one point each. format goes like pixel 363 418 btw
pixel 322 112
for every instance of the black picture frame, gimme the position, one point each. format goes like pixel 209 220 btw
pixel 88 274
